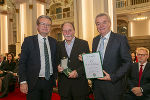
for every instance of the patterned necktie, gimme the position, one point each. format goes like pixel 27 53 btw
pixel 140 74
pixel 101 49
pixel 47 65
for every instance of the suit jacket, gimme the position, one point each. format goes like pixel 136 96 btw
pixel 79 85
pixel 2 65
pixel 30 62
pixel 133 79
pixel 9 66
pixel 116 60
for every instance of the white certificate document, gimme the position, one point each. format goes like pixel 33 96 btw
pixel 93 65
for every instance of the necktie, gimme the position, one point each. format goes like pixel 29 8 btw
pixel 140 74
pixel 47 65
pixel 101 49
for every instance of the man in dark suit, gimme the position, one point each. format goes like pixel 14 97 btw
pixel 114 50
pixel 139 77
pixel 74 86
pixel 37 65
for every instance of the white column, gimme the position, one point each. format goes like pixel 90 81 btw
pixel 18 44
pixel 112 14
pixel 83 19
pixel 23 21
pixel 4 33
pixel 10 30
pixel 99 6
pixel 130 28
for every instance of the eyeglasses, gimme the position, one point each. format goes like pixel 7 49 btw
pixel 141 55
pixel 103 23
pixel 44 24
pixel 65 31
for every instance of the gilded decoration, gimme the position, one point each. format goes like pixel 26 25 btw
pixel 61 9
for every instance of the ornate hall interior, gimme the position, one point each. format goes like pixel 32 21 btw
pixel 18 20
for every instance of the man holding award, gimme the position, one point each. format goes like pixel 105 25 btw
pixel 72 82
pixel 116 60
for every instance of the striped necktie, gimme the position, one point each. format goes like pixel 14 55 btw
pixel 101 49
pixel 47 65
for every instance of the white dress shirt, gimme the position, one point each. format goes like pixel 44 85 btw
pixel 105 41
pixel 42 55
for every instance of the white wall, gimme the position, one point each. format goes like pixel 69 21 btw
pixel 139 28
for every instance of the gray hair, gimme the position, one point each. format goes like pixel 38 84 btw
pixel 68 23
pixel 103 14
pixel 42 16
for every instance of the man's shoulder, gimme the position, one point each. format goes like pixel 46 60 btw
pixel 30 37
pixel 80 40
pixel 96 37
pixel 51 38
pixel 148 64
pixel 117 35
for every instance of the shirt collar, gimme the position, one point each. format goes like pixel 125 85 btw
pixel 143 64
pixel 40 37
pixel 72 41
pixel 107 35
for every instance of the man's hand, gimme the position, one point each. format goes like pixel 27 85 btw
pixel 24 88
pixel 1 72
pixel 137 91
pixel 15 74
pixel 60 69
pixel 106 78
pixel 73 74
pixel 80 57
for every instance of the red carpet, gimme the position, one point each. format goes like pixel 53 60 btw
pixel 17 95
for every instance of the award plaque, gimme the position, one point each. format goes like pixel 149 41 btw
pixel 64 64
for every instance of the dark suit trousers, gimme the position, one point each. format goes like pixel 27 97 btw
pixel 74 98
pixel 106 91
pixel 41 91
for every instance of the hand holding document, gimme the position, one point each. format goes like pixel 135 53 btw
pixel 93 65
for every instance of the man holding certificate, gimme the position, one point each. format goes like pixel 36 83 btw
pixel 116 60
pixel 72 82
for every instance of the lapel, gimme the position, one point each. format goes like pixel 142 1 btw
pixel 72 50
pixel 108 48
pixel 147 66
pixel 36 46
pixel 64 49
pixel 136 70
pixel 51 45
pixel 97 43
pixel 75 45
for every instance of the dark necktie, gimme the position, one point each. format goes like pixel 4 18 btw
pixel 140 74
pixel 101 49
pixel 47 65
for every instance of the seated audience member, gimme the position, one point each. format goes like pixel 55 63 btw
pixel 1 60
pixel 133 56
pixel 1 72
pixel 139 77
pixel 7 75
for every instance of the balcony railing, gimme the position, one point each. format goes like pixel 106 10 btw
pixel 126 3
